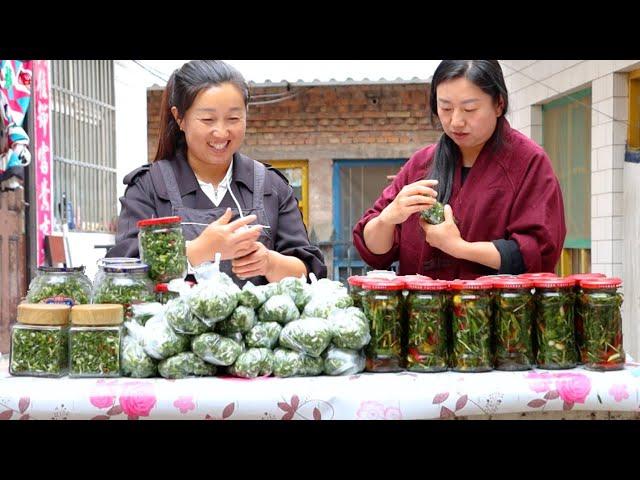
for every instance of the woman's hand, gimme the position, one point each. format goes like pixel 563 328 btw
pixel 253 264
pixel 413 198
pixel 232 240
pixel 445 236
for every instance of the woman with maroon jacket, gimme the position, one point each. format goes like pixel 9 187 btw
pixel 503 205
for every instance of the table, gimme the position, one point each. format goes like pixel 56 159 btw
pixel 575 393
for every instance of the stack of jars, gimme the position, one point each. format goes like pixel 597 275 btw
pixel 125 284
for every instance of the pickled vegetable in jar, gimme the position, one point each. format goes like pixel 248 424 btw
pixel 601 313
pixel 427 345
pixel 163 248
pixel 355 289
pixel 383 309
pixel 471 325
pixel 555 330
pixel 577 311
pixel 124 284
pixel 513 300
pixel 66 285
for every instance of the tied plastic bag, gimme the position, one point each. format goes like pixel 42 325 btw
pixel 311 366
pixel 263 335
pixel 184 365
pixel 326 296
pixel 338 361
pixel 252 296
pixel 279 308
pixel 309 335
pixel 297 289
pixel 241 320
pixel 134 361
pixel 286 363
pixel 215 349
pixel 215 297
pixel 180 318
pixel 350 328
pixel 253 363
pixel 144 311
pixel 157 338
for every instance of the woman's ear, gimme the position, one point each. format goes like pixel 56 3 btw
pixel 174 112
pixel 499 107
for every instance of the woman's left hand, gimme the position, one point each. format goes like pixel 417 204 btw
pixel 445 236
pixel 254 264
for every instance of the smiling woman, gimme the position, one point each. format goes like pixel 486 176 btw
pixel 199 175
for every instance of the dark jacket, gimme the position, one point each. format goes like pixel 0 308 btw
pixel 146 197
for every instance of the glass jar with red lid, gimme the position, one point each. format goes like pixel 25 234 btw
pixel 513 324
pixel 383 308
pixel 355 289
pixel 577 311
pixel 601 313
pixel 471 325
pixel 555 329
pixel 163 248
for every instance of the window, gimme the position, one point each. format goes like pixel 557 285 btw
pixel 83 143
pixel 297 172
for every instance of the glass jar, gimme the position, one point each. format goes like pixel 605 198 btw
pixel 39 341
pixel 383 308
pixel 601 312
pixel 124 284
pixel 427 345
pixel 537 275
pixel 471 326
pixel 577 312
pixel 513 302
pixel 163 248
pixel 67 285
pixel 555 330
pixel 95 340
pixel 355 289
pixel 111 261
pixel 163 294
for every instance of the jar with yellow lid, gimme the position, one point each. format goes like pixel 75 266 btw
pixel 95 340
pixel 39 340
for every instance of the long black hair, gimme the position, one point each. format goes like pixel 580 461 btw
pixel 486 75
pixel 180 92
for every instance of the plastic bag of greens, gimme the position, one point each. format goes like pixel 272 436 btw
pixel 236 337
pixel 350 328
pixel 309 335
pixel 266 367
pixel 263 335
pixel 179 316
pixel 323 302
pixel 215 297
pixel 144 311
pixel 252 363
pixel 134 361
pixel 286 363
pixel 241 320
pixel 184 365
pixel 297 289
pixel 271 289
pixel 158 338
pixel 279 308
pixel 252 296
pixel 215 349
pixel 310 366
pixel 338 361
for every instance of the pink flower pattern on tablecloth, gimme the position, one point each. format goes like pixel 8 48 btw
pixel 573 387
pixel 103 394
pixel 184 404
pixel 137 399
pixel 371 410
pixel 619 392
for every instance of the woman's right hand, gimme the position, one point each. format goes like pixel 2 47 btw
pixel 413 198
pixel 231 240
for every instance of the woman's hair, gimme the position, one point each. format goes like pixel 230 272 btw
pixel 180 92
pixel 486 75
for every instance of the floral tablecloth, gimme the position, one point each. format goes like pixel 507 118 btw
pixel 387 396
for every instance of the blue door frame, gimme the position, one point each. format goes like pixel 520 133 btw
pixel 339 259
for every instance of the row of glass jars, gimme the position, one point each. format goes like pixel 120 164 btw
pixel 51 340
pixel 492 322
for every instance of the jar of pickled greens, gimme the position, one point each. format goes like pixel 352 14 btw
pixel 39 340
pixel 471 326
pixel 67 285
pixel 111 261
pixel 601 313
pixel 163 248
pixel 577 312
pixel 126 284
pixel 555 330
pixel 355 289
pixel 95 340
pixel 427 345
pixel 383 308
pixel 513 332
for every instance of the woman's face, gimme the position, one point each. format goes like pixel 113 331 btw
pixel 215 124
pixel 468 115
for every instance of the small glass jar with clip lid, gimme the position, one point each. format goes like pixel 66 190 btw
pixel 355 289
pixel 577 311
pixel 513 301
pixel 427 324
pixel 163 248
pixel 126 284
pixel 601 303
pixel 39 340
pixel 163 294
pixel 68 285
pixel 471 325
pixel 111 261
pixel 555 330
pixel 95 340
pixel 383 308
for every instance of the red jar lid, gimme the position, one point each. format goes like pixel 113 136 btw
pixel 162 287
pixel 356 280
pixel 513 282
pixel 578 277
pixel 537 275
pixel 158 221
pixel 551 282
pixel 470 285
pixel 425 283
pixel 613 282
pixel 410 278
pixel 383 284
